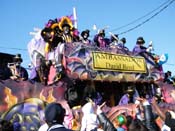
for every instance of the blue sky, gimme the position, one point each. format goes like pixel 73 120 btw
pixel 19 17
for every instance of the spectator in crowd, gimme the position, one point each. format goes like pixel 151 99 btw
pixel 104 122
pixel 89 120
pixel 168 121
pixel 129 96
pixel 54 115
pixel 137 125
pixel 77 116
pixel 6 125
pixel 17 71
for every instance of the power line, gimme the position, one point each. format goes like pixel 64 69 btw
pixel 124 32
pixel 12 48
pixel 136 20
pixel 128 23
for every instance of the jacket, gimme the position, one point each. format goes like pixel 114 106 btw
pixel 105 123
pixel 58 127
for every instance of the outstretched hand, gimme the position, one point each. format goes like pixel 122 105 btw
pixel 99 107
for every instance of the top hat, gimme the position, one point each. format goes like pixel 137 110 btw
pixel 17 58
pixel 123 40
pixel 102 31
pixel 85 32
pixel 140 40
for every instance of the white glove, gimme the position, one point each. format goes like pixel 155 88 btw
pixel 149 49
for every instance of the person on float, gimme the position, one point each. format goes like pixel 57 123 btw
pixel 85 37
pixel 143 51
pixel 50 54
pixel 114 40
pixel 75 34
pixel 100 39
pixel 66 26
pixel 17 71
pixel 121 44
pixel 140 49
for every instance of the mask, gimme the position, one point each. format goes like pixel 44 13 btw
pixel 18 64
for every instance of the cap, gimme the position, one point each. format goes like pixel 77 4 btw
pixel 140 40
pixel 54 113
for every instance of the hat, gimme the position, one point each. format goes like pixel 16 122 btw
pixel 17 58
pixel 130 89
pixel 65 21
pixel 114 37
pixel 54 113
pixel 123 40
pixel 102 31
pixel 47 34
pixel 85 32
pixel 140 40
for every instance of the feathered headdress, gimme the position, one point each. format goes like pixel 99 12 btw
pixel 65 21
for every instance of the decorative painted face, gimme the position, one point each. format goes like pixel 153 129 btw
pixel 85 36
pixel 66 29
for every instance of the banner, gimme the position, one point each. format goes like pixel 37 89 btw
pixel 117 62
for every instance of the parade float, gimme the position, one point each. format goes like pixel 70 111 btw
pixel 108 70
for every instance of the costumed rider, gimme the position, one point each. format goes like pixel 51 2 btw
pixel 53 50
pixel 17 71
pixel 84 37
pixel 100 39
pixel 140 49
pixel 121 44
pixel 114 40
pixel 66 26
pixel 75 34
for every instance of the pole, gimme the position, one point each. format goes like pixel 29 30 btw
pixel 75 18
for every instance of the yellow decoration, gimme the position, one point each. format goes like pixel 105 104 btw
pixel 76 107
pixel 47 48
pixel 65 20
pixel 54 25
